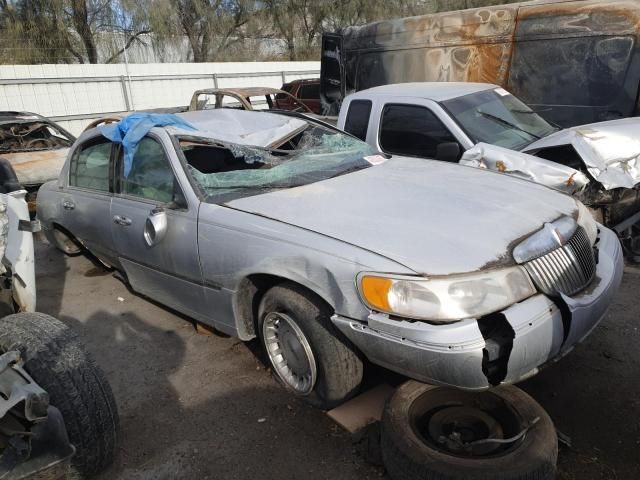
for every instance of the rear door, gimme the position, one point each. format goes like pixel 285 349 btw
pixel 87 201
pixel 332 79
pixel 164 267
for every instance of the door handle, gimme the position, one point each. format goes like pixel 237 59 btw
pixel 68 205
pixel 120 220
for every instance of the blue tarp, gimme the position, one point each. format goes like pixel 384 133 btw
pixel 132 128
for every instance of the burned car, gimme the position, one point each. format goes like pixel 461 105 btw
pixel 483 125
pixel 35 147
pixel 271 226
pixel 248 98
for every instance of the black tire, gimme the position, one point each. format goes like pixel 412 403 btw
pixel 63 242
pixel 58 362
pixel 409 454
pixel 339 367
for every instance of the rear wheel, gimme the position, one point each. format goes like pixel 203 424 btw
pixel 307 354
pixel 57 361
pixel 63 242
pixel 442 433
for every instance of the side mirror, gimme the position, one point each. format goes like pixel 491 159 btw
pixel 155 228
pixel 448 152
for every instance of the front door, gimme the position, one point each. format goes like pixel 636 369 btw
pixel 161 263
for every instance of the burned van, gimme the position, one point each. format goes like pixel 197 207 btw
pixel 573 62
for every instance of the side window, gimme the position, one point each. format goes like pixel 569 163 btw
pixel 412 130
pixel 150 176
pixel 358 118
pixel 310 91
pixel 89 168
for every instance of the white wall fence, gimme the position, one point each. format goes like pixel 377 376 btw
pixel 73 95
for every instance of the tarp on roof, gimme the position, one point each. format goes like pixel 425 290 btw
pixel 132 128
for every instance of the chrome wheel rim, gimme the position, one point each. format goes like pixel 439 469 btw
pixel 289 352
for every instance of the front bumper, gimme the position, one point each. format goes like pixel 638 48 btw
pixel 540 330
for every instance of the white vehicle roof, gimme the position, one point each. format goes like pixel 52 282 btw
pixel 436 91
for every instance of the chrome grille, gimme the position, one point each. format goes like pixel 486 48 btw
pixel 567 269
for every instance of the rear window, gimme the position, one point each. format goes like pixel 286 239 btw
pixel 89 167
pixel 357 120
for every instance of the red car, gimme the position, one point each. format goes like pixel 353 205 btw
pixel 307 91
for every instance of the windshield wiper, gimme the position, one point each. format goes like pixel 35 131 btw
pixel 507 123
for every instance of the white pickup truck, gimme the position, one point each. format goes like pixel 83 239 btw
pixel 484 126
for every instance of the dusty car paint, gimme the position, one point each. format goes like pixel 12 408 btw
pixel 402 216
pixel 577 61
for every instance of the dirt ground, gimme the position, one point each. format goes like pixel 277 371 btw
pixel 204 407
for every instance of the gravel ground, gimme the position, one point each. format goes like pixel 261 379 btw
pixel 204 407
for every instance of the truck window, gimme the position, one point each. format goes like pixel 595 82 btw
pixel 358 118
pixel 412 130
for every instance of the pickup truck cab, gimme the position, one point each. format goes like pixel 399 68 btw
pixel 483 125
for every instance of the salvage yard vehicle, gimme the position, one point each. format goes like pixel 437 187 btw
pixel 306 90
pixel 275 227
pixel 574 62
pixel 483 125
pixel 248 98
pixel 56 407
pixel 35 147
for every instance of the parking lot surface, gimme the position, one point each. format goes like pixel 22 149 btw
pixel 198 406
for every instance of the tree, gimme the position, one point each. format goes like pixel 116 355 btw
pixel 50 31
pixel 210 26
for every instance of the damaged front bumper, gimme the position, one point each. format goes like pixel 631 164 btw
pixel 504 347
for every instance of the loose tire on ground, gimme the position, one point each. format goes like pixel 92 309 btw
pixel 409 452
pixel 57 361
pixel 339 368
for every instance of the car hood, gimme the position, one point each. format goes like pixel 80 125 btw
pixel 609 150
pixel 37 167
pixel 432 217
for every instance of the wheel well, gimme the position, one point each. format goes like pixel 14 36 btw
pixel 249 295
pixel 57 226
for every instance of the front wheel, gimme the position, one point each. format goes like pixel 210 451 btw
pixel 443 433
pixel 308 355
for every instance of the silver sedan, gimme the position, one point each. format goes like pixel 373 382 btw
pixel 282 228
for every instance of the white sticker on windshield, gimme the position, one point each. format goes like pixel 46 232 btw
pixel 375 159
pixel 502 92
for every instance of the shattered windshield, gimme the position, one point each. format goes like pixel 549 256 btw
pixel 498 118
pixel 225 171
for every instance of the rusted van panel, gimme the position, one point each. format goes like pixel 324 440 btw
pixel 578 61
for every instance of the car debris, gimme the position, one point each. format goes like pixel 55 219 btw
pixel 216 217
pixel 574 62
pixel 35 147
pixel 483 125
pixel 56 408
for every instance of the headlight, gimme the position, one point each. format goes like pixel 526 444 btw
pixel 446 298
pixel 586 221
